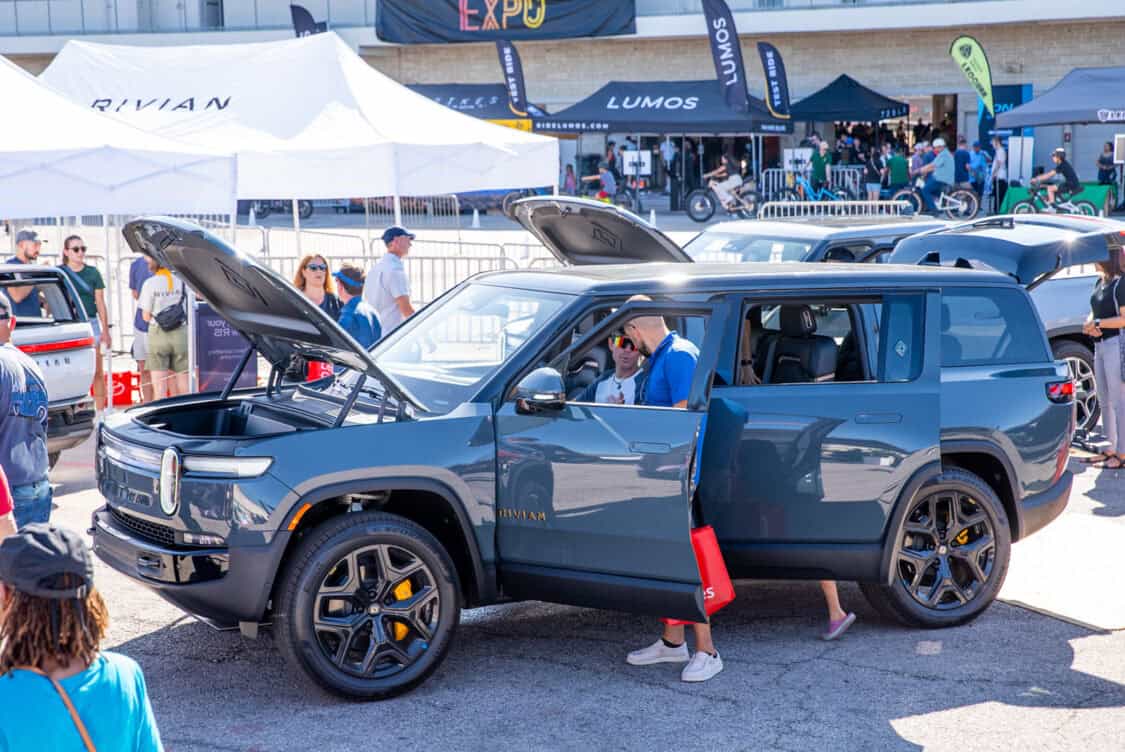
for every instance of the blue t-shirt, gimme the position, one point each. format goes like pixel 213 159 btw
pixel 609 183
pixel 943 167
pixel 359 320
pixel 29 306
pixel 138 273
pixel 670 370
pixel 110 698
pixel 23 419
pixel 961 159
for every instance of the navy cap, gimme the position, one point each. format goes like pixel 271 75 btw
pixel 28 234
pixel 395 231
pixel 32 560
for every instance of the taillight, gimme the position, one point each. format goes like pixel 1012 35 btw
pixel 70 344
pixel 1061 391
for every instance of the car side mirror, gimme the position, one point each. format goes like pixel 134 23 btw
pixel 541 390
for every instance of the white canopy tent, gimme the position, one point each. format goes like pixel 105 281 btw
pixel 57 157
pixel 307 117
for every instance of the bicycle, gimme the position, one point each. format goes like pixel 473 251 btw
pixel 959 203
pixel 702 203
pixel 804 191
pixel 1036 203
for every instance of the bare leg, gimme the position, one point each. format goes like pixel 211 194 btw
pixel 160 384
pixel 99 381
pixel 181 383
pixel 674 633
pixel 832 600
pixel 703 638
pixel 146 382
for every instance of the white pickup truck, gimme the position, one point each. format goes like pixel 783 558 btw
pixel 61 341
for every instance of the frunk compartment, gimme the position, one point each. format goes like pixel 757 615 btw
pixel 224 419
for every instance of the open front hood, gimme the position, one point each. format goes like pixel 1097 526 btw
pixel 581 232
pixel 255 300
pixel 1030 249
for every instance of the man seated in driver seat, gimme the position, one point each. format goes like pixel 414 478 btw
pixel 624 385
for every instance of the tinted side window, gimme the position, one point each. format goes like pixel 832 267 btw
pixel 901 348
pixel 981 326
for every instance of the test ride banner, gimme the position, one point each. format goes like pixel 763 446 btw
pixel 777 85
pixel 512 69
pixel 440 21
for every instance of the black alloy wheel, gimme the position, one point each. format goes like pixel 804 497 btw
pixel 368 605
pixel 950 554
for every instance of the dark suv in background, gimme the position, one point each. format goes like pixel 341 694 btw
pixel 863 422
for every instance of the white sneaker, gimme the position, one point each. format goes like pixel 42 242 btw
pixel 658 652
pixel 702 667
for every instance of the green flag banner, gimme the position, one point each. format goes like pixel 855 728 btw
pixel 970 58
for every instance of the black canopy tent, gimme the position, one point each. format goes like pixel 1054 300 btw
pixel 1083 96
pixel 485 101
pixel 661 108
pixel 846 99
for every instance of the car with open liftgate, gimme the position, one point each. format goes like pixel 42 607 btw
pixel 61 342
pixel 852 432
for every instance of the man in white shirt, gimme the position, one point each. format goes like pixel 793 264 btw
pixel 387 288
pixel 623 386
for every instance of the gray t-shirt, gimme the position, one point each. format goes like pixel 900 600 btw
pixel 23 418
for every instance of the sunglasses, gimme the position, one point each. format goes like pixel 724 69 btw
pixel 317 267
pixel 623 343
pixel 79 248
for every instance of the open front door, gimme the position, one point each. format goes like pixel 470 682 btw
pixel 594 500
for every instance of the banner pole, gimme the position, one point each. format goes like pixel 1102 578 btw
pixel 398 208
pixel 297 226
pixel 110 286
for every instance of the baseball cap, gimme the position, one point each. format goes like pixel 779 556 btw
pixel 919 146
pixel 32 560
pixel 395 231
pixel 976 144
pixel 939 142
pixel 28 234
pixel 1059 152
pixel 5 307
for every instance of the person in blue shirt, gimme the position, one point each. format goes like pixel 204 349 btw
pixel 961 161
pixel 52 621
pixel 939 174
pixel 669 373
pixel 357 318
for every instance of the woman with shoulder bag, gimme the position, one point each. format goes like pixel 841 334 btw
pixel 1107 319
pixel 163 304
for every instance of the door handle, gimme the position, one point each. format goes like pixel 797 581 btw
pixel 649 447
pixel 873 418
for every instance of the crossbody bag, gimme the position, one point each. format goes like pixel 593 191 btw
pixel 174 316
pixel 78 724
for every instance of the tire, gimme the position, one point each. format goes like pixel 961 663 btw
pixel 970 205
pixel 751 202
pixel 53 459
pixel 320 556
pixel 909 196
pixel 700 205
pixel 261 209
pixel 790 194
pixel 959 596
pixel 1024 207
pixel 304 209
pixel 1086 208
pixel 1080 360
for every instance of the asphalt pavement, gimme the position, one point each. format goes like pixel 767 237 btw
pixel 534 676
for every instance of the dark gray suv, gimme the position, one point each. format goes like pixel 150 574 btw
pixel 909 424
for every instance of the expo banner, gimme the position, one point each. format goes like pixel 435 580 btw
pixel 727 54
pixel 777 86
pixel 970 58
pixel 218 350
pixel 437 21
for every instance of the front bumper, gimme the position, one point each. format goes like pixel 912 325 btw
pixel 222 586
pixel 69 425
pixel 1037 510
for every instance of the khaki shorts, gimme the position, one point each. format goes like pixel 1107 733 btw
pixel 167 351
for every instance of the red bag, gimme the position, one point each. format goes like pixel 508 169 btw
pixel 718 590
pixel 318 369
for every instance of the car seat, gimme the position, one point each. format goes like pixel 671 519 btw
pixel 798 355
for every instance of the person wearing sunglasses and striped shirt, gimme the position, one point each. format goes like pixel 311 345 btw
pixel 623 386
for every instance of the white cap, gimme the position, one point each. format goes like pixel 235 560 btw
pixel 939 142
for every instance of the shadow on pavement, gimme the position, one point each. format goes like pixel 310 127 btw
pixel 539 676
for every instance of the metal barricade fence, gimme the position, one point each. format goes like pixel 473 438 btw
pixel 795 209
pixel 444 248
pixel 282 242
pixel 417 211
pixel 776 180
pixel 431 276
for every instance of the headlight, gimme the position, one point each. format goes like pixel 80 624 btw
pixel 232 467
pixel 170 481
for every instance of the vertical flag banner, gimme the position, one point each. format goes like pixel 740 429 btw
pixel 777 86
pixel 513 77
pixel 303 23
pixel 727 54
pixel 970 58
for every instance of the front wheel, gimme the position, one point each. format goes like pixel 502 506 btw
pixel 367 605
pixel 1024 207
pixel 911 197
pixel 965 205
pixel 950 554
pixel 701 205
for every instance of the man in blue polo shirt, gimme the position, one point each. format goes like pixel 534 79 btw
pixel 671 367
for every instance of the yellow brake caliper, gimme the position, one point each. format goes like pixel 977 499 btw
pixel 402 592
pixel 962 537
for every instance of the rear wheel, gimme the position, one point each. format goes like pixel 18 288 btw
pixel 1024 207
pixel 910 197
pixel 966 204
pixel 701 205
pixel 367 605
pixel 950 554
pixel 262 209
pixel 1080 360
pixel 1086 208
pixel 748 207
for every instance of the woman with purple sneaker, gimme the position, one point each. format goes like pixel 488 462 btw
pixel 838 619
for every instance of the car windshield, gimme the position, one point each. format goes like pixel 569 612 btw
pixel 731 247
pixel 444 356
